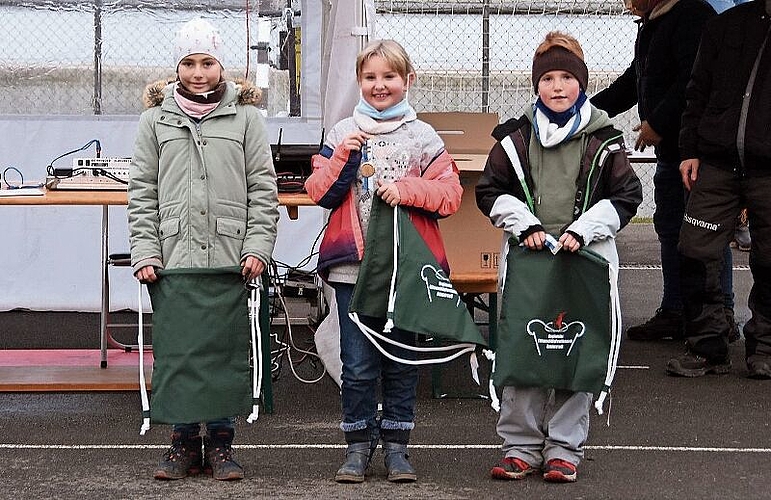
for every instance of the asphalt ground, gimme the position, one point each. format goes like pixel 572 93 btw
pixel 664 437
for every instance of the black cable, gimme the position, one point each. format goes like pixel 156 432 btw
pixel 51 171
pixel 286 340
pixel 310 256
pixel 109 175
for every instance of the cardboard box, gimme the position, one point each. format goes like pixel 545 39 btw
pixel 473 244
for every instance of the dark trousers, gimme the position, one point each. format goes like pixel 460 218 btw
pixel 190 430
pixel 708 225
pixel 670 197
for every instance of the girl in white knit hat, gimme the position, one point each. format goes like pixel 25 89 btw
pixel 202 196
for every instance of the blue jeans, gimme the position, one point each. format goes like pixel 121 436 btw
pixel 364 365
pixel 211 427
pixel 669 196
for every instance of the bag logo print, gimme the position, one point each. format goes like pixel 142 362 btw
pixel 556 334
pixel 437 282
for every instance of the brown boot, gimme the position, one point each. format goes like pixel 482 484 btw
pixel 182 459
pixel 218 456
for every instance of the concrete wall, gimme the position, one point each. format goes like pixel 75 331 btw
pixel 42 90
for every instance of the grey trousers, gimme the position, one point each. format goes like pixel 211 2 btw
pixel 538 425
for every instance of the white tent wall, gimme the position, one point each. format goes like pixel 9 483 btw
pixel 50 256
pixel 345 36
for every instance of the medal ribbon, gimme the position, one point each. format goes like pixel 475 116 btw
pixel 366 153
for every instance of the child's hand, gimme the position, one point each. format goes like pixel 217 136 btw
pixel 146 275
pixel 535 240
pixel 389 193
pixel 569 242
pixel 251 267
pixel 355 140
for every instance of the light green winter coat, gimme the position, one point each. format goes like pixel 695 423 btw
pixel 201 195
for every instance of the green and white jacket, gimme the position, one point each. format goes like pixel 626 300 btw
pixel 202 194
pixel 584 185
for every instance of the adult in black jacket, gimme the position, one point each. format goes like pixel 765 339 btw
pixel 725 141
pixel 666 45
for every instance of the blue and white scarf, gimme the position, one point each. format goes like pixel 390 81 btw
pixel 373 121
pixel 552 129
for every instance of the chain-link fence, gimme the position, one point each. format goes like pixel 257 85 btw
pixel 96 56
pixel 476 55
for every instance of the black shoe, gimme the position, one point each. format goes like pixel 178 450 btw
pixel 354 469
pixel 361 446
pixel 733 328
pixel 692 365
pixel 397 463
pixel 742 238
pixel 666 323
pixel 218 457
pixel 759 370
pixel 182 459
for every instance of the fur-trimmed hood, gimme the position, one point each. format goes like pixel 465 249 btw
pixel 662 8
pixel 248 93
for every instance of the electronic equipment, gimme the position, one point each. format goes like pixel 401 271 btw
pixel 291 161
pixel 293 164
pixel 92 173
pixel 293 158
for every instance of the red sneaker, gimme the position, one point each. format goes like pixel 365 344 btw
pixel 559 471
pixel 511 468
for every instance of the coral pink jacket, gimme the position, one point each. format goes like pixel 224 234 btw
pixel 434 195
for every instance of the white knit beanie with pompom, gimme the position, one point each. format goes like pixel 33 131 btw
pixel 198 36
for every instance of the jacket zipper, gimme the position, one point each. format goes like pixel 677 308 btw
pixel 599 159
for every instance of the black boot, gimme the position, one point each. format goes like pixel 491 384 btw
pixel 733 327
pixel 182 459
pixel 357 456
pixel 396 458
pixel 218 456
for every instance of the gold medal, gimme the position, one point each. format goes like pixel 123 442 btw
pixel 367 169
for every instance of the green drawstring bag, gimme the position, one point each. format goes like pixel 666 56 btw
pixel 201 346
pixel 559 325
pixel 401 282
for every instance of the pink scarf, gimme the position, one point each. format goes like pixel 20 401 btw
pixel 192 108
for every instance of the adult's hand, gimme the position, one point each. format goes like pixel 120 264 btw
pixel 647 136
pixel 689 171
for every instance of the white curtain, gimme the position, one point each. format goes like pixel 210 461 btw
pixel 345 36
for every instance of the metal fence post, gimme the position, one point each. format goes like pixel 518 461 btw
pixel 97 100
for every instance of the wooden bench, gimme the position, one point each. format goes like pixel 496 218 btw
pixel 479 282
